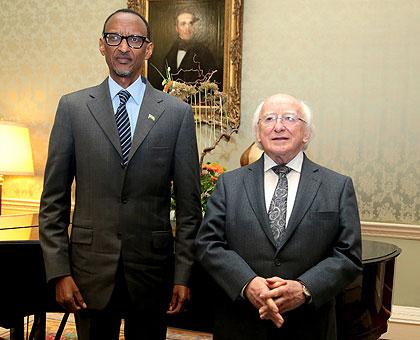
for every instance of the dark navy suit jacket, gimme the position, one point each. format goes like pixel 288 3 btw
pixel 322 248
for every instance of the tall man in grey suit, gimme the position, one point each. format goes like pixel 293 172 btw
pixel 281 236
pixel 123 142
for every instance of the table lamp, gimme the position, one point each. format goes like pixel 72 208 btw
pixel 15 151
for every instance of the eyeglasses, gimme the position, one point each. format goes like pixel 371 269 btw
pixel 288 119
pixel 134 41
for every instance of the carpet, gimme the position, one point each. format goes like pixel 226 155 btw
pixel 69 333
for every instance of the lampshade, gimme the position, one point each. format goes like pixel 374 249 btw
pixel 15 150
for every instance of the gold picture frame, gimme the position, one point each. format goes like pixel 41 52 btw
pixel 232 48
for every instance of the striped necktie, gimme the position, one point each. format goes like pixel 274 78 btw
pixel 278 206
pixel 123 125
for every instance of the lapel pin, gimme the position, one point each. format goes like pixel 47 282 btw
pixel 151 117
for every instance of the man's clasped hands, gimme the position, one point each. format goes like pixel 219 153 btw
pixel 274 296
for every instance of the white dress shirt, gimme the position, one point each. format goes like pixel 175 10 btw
pixel 133 105
pixel 179 57
pixel 271 179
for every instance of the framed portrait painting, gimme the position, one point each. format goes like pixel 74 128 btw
pixel 195 41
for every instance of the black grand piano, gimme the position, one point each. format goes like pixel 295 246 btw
pixel 23 288
pixel 363 308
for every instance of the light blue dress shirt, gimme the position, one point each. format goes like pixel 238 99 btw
pixel 136 91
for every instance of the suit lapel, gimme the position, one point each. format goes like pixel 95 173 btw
pixel 150 110
pixel 100 106
pixel 309 183
pixel 171 57
pixel 254 187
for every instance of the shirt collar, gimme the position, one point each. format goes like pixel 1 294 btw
pixel 135 89
pixel 295 164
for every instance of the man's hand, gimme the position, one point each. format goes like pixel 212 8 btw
pixel 68 295
pixel 255 291
pixel 286 294
pixel 180 295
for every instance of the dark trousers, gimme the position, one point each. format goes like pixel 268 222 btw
pixel 140 322
pixel 240 320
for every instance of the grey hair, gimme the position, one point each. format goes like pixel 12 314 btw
pixel 305 110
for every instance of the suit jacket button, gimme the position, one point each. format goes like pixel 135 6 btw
pixel 124 200
pixel 277 262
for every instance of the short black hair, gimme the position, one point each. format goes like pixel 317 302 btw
pixel 129 10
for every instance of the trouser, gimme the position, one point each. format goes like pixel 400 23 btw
pixel 140 322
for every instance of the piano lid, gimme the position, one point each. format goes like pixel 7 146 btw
pixel 374 251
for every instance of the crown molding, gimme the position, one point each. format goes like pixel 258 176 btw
pixel 17 205
pixel 405 314
pixel 391 230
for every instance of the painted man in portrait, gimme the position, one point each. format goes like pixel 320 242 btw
pixel 188 59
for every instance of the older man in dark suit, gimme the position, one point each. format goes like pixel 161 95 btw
pixel 281 236
pixel 124 143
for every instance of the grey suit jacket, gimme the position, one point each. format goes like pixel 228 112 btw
pixel 120 212
pixel 322 248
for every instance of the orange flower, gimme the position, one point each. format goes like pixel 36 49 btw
pixel 215 167
pixel 209 176
pixel 167 86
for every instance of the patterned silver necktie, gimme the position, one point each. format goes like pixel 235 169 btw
pixel 278 205
pixel 123 125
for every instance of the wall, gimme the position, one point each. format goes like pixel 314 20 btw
pixel 354 62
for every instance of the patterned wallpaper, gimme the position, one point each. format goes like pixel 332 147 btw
pixel 48 48
pixel 355 63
